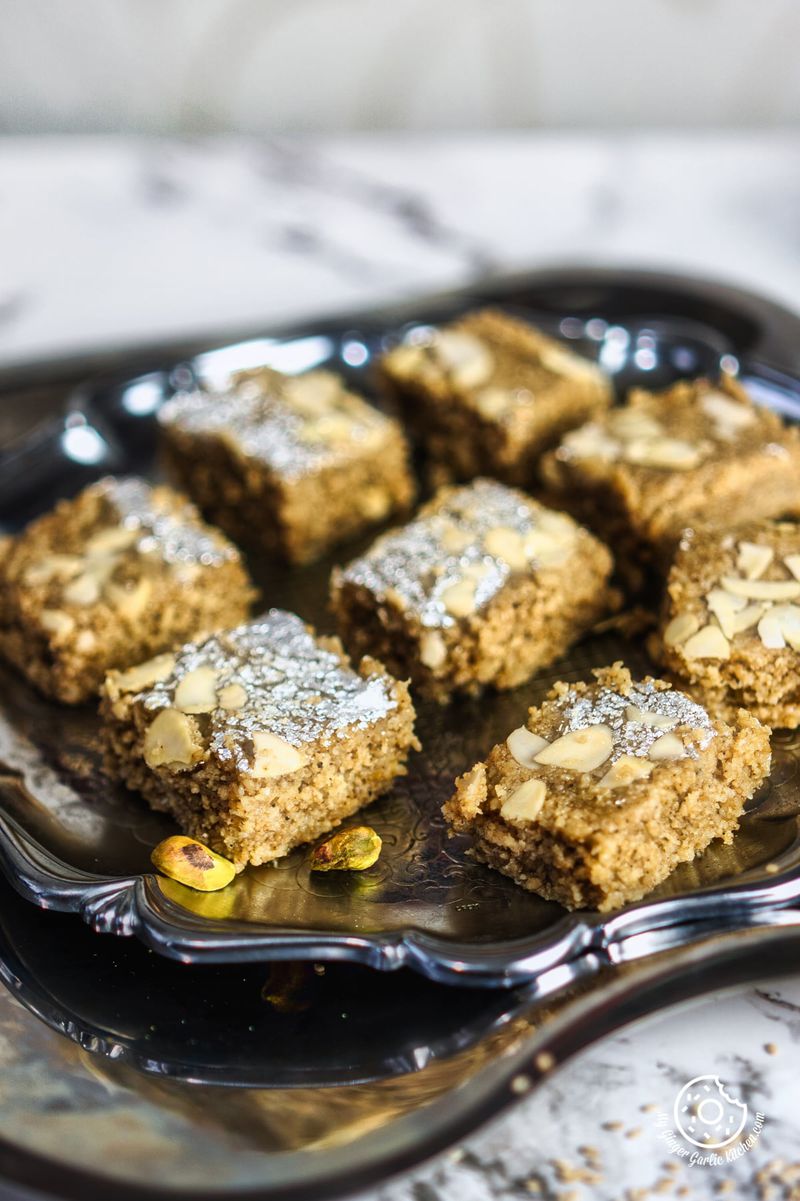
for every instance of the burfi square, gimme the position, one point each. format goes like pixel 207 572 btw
pixel 483 587
pixel 608 787
pixel 487 394
pixel 696 452
pixel 730 622
pixel 259 738
pixel 290 464
pixel 118 573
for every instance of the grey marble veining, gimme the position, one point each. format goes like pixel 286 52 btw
pixel 150 239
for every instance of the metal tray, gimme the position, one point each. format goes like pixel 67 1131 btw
pixel 71 840
pixel 192 1142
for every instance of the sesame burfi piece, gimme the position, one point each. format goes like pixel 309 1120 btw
pixel 110 577
pixel 483 587
pixel 259 738
pixel 607 788
pixel 487 394
pixel 289 464
pixel 696 452
pixel 730 623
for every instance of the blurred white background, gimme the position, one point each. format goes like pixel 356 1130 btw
pixel 202 66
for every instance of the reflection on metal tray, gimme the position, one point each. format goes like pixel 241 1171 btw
pixel 294 1025
pixel 134 1135
pixel 71 840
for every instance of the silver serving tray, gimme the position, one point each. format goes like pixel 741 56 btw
pixel 315 1143
pixel 70 839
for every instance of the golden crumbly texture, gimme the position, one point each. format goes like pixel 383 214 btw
pixel 598 848
pixel 295 518
pixel 763 680
pixel 253 820
pixel 151 606
pixel 533 620
pixel 641 510
pixel 464 436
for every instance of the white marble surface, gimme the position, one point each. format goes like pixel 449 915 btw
pixel 607 1101
pixel 110 241
pixel 113 241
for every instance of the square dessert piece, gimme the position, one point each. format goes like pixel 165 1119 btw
pixel 696 452
pixel 489 393
pixel 259 738
pixel 483 587
pixel 291 464
pixel 118 573
pixel 730 625
pixel 606 788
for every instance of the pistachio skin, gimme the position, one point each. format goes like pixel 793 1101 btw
pixel 192 863
pixel 352 850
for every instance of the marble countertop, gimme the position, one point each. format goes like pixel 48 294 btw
pixel 110 242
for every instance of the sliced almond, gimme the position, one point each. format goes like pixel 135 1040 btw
pixel 648 717
pixel 770 633
pixel 171 739
pixel 507 544
pixel 725 606
pixel 432 649
pixel 630 423
pixel 624 771
pixel 454 539
pixel 130 602
pixel 524 746
pixel 707 643
pixel 559 526
pixel 312 394
pixel 767 590
pixel 788 619
pixel 374 503
pixel 197 691
pixel 580 750
pixel 753 559
pixel 561 361
pixel 525 802
pixel 476 570
pixel 552 539
pixel 668 746
pixel 747 617
pixel 392 597
pixel 591 442
pixel 466 359
pixel 494 403
pixel 275 756
pixel 331 428
pixel 86 641
pixel 793 563
pixel 669 454
pixel 111 540
pixel 682 626
pixel 408 359
pixel 143 675
pixel 459 598
pixel 232 696
pixel 85 590
pixel 57 623
pixel 59 567
pixel 729 416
